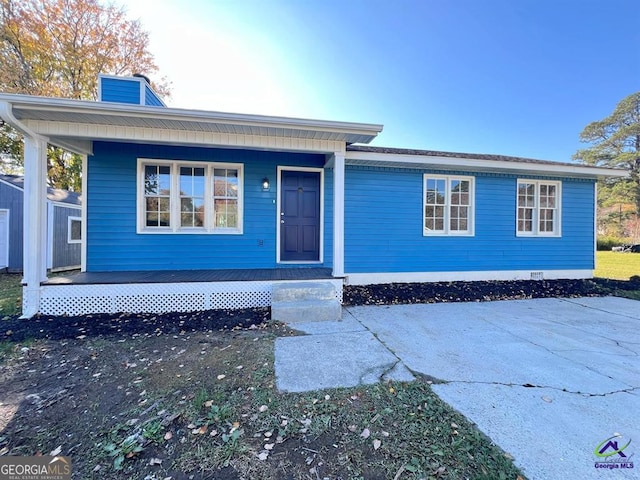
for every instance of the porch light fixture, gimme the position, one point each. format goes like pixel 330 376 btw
pixel 265 184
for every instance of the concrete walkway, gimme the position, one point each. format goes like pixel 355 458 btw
pixel 548 380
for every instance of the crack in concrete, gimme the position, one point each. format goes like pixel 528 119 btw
pixel 569 300
pixel 557 353
pixel 529 385
pixel 372 371
pixel 375 335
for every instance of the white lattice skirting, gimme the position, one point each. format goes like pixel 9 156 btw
pixel 159 297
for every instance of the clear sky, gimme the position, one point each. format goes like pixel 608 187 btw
pixel 513 77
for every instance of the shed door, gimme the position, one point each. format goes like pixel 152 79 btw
pixel 4 238
pixel 300 216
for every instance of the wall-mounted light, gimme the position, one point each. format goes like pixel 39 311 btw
pixel 265 184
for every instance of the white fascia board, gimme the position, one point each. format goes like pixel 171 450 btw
pixel 477 164
pixel 29 102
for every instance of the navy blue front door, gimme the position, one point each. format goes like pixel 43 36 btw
pixel 300 216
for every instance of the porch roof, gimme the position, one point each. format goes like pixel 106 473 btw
pixel 73 124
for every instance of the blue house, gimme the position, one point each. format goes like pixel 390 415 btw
pixel 190 210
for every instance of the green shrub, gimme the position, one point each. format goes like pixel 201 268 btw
pixel 608 242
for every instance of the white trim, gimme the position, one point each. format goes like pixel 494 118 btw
pixel 557 226
pixel 174 203
pixel 462 276
pixel 338 213
pixel 6 253
pixel 71 219
pixel 475 164
pixel 83 214
pixel 595 224
pixel 320 170
pixel 447 232
pixel 50 227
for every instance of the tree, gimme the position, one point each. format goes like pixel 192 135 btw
pixel 57 48
pixel 615 142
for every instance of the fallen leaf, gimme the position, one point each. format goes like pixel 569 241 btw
pixel 213 433
pixel 168 435
pixel 365 433
pixel 221 376
pixel 376 444
pixel 208 403
pixel 155 461
pixel 263 408
pixel 352 428
pixel 56 451
pixel 203 430
pixel 454 426
pixel 269 446
pixel 263 455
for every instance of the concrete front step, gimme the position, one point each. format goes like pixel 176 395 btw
pixel 305 301
pixel 294 291
pixel 306 311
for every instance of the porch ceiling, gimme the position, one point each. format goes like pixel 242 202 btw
pixel 77 120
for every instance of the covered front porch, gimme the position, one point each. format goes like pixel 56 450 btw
pixel 171 290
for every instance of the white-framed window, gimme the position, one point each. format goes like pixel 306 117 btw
pixel 538 208
pixel 176 196
pixel 74 230
pixel 448 205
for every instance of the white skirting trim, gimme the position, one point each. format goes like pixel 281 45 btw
pixel 159 297
pixel 418 277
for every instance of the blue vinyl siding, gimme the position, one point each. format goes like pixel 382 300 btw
pixel 119 90
pixel 114 245
pixel 384 227
pixel 150 97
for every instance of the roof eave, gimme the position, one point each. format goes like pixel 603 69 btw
pixel 352 132
pixel 481 165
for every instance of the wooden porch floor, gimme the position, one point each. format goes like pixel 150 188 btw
pixel 184 276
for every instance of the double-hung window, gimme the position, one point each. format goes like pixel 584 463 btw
pixel 538 208
pixel 448 205
pixel 189 197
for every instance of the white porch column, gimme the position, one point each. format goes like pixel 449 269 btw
pixel 338 214
pixel 35 223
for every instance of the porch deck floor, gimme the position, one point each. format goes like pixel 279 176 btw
pixel 184 276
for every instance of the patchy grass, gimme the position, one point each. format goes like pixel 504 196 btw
pixel 10 294
pixel 203 404
pixel 617 265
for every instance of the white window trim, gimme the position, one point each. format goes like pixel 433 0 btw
pixel 174 216
pixel 447 232
pixel 69 221
pixel 557 230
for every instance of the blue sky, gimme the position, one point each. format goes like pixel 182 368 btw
pixel 513 77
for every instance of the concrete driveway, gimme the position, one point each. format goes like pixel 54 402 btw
pixel 548 380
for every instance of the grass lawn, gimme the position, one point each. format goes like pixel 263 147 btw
pixel 10 294
pixel 617 265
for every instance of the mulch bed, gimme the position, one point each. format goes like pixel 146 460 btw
pixel 63 327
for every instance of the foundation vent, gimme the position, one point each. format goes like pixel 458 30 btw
pixel 537 276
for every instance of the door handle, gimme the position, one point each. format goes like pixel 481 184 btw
pixel 281 221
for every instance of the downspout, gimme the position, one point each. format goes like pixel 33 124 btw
pixel 34 225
